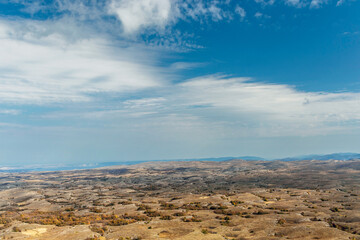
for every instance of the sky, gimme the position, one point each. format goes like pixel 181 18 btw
pixel 86 81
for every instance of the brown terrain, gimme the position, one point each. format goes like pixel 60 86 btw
pixel 185 200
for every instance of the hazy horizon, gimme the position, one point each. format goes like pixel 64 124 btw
pixel 91 165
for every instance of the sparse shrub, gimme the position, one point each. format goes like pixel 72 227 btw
pixel 98 229
pixel 118 222
pixel 263 198
pixel 152 213
pixel 166 217
pixel 279 234
pixel 225 223
pixel 281 221
pixel 92 238
pixel 137 217
pixel 339 226
pixel 16 229
pixel 227 212
pixel 175 198
pixel 95 210
pixel 70 219
pixel 218 207
pixel 260 212
pixel 97 203
pixel 236 202
pixel 167 206
pixel 143 207
pixel 205 231
pixel 334 209
pixel 179 214
pixel 192 219
pixel 4 220
pixel 224 220
pixel 194 206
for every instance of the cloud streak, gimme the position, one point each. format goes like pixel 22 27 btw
pixel 234 107
pixel 45 67
pixel 273 102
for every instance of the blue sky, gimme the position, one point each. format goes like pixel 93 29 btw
pixel 96 81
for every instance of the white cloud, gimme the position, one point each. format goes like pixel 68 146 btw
pixel 317 3
pixel 258 15
pixel 296 3
pixel 10 111
pixel 39 65
pixel 144 103
pixel 264 2
pixel 314 4
pixel 351 33
pixel 340 2
pixel 239 10
pixel 136 15
pixel 186 65
pixel 274 103
pixel 217 13
pixel 199 10
pixel 233 107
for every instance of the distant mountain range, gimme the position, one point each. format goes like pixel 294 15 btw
pixel 333 156
pixel 61 167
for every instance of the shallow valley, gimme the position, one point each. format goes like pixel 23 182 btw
pixel 186 200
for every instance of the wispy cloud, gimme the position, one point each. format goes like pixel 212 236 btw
pixel 340 2
pixel 317 3
pixel 264 2
pixel 239 106
pixel 313 4
pixel 10 111
pixel 241 11
pixel 258 15
pixel 186 65
pixel 273 102
pixel 296 3
pixel 355 33
pixel 45 66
